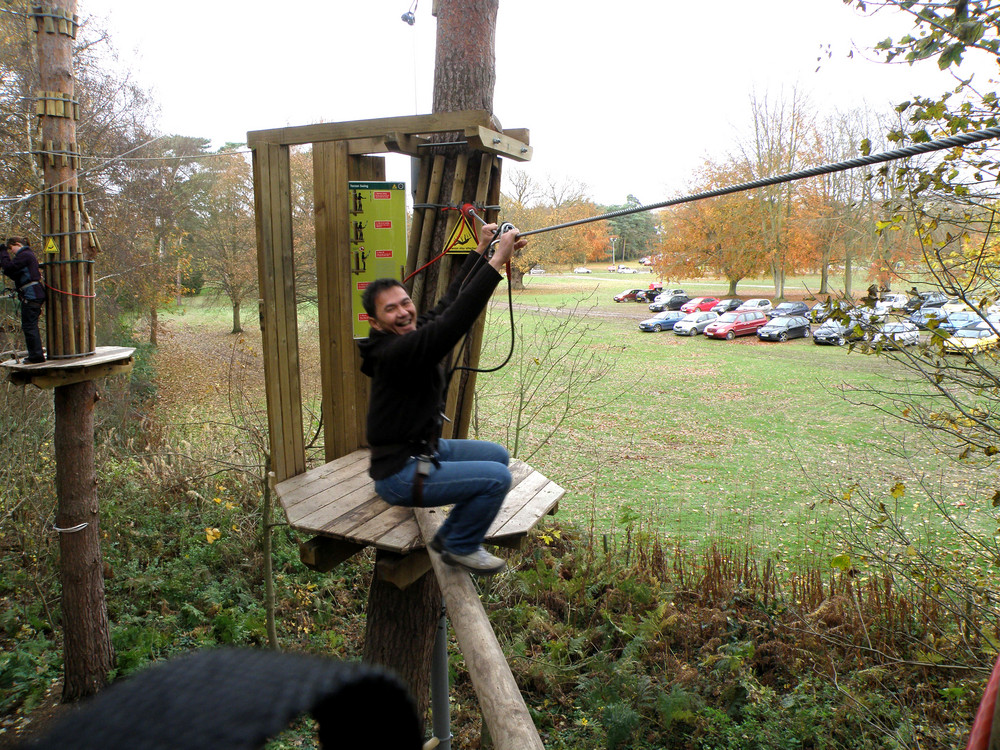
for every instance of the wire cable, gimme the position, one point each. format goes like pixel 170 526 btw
pixel 963 139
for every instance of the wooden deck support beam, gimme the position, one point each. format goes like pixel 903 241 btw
pixel 504 710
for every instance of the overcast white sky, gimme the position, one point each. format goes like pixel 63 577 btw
pixel 627 96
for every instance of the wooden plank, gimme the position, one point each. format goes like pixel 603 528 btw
pixel 301 501
pixel 357 461
pixel 417 221
pixel 516 499
pixel 288 332
pixel 58 378
pixel 324 554
pixel 528 515
pixel 261 159
pixel 493 142
pixel 357 514
pixel 427 235
pixel 439 122
pixel 503 707
pixel 327 218
pixel 325 508
pixel 403 570
pixel 380 525
pixel 520 134
pixel 102 355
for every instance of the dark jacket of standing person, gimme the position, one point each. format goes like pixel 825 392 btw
pixel 19 263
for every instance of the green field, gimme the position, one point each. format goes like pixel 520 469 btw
pixel 709 439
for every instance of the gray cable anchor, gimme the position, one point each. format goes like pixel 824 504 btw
pixel 504 228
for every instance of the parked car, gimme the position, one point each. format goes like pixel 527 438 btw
pixel 581 269
pixel 954 305
pixel 668 302
pixel 960 319
pixel 761 305
pixel 973 339
pixel 928 317
pixel 837 332
pixel 788 308
pixel 648 295
pixel 536 271
pixel 726 305
pixel 924 299
pixel 784 328
pixel 694 323
pixel 821 311
pixel 663 321
pixel 628 295
pixel 736 323
pixel 892 301
pixel 897 334
pixel 699 304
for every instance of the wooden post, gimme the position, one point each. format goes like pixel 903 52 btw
pixel 88 654
pixel 504 711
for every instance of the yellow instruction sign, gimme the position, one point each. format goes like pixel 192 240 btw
pixel 463 237
pixel 50 246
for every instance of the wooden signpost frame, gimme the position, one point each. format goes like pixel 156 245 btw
pixel 343 152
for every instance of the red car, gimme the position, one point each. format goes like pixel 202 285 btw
pixel 699 304
pixel 733 324
pixel 628 294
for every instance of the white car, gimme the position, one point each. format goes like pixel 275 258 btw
pixel 694 323
pixel 901 333
pixel 581 269
pixel 758 304
pixel 891 301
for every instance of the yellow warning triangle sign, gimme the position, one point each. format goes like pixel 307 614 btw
pixel 50 246
pixel 463 237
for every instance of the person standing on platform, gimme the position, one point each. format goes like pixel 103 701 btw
pixel 18 262
pixel 410 462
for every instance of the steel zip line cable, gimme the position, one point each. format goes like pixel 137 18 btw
pixel 963 139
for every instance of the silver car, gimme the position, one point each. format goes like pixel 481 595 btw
pixel 694 323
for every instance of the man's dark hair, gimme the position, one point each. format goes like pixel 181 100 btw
pixel 372 291
pixel 17 241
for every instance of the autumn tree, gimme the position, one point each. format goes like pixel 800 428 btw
pixel 530 205
pixel 636 232
pixel 776 147
pixel 719 236
pixel 223 235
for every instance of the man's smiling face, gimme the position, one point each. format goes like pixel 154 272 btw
pixel 394 312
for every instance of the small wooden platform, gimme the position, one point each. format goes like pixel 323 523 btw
pixel 105 361
pixel 338 500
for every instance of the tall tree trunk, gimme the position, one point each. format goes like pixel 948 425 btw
pixel 401 625
pixel 153 325
pixel 237 322
pixel 847 275
pixel 732 287
pixel 88 656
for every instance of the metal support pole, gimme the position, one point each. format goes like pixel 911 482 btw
pixel 439 684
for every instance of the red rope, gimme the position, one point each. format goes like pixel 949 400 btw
pixel 70 294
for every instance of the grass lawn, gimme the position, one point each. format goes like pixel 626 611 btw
pixel 699 438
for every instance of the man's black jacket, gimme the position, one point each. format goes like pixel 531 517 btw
pixel 23 270
pixel 408 379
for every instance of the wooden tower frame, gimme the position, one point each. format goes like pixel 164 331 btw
pixel 341 152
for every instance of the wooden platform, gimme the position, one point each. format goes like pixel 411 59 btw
pixel 105 361
pixel 338 500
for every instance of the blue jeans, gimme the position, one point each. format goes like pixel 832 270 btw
pixel 473 475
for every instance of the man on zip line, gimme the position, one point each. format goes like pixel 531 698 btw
pixel 18 262
pixel 410 462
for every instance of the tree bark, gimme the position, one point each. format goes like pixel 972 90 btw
pixel 153 325
pixel 400 630
pixel 88 656
pixel 732 287
pixel 237 322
